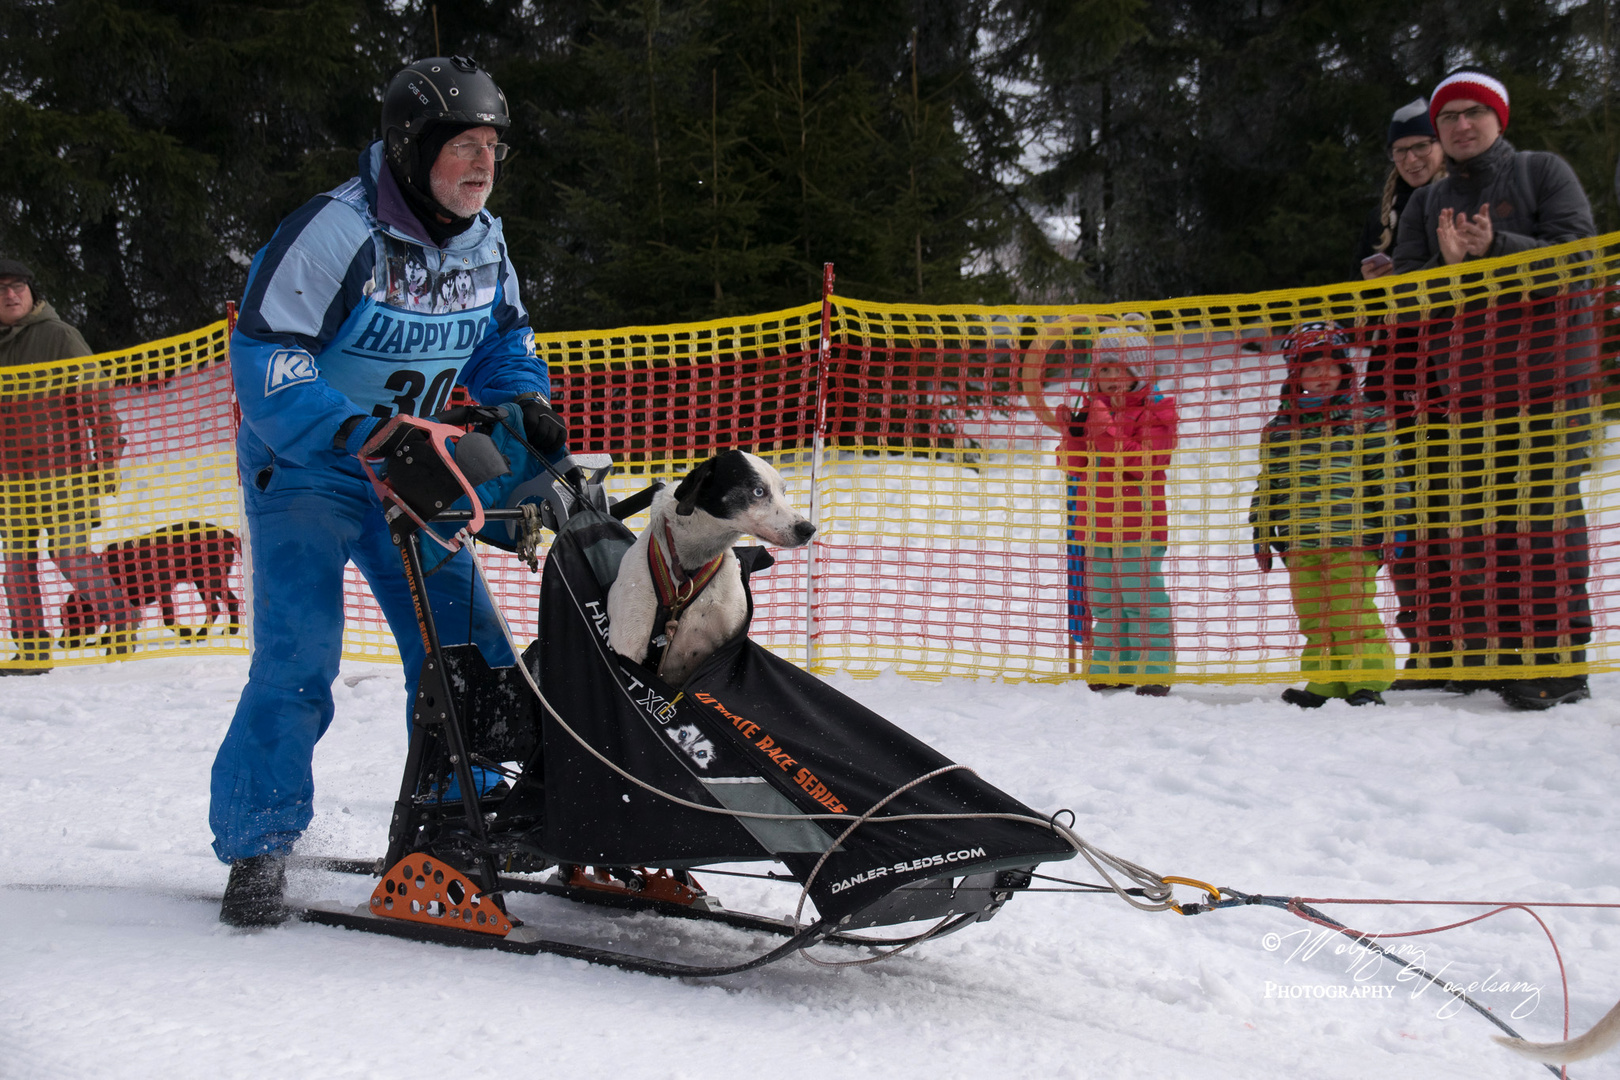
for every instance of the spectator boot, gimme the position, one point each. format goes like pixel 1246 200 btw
pixel 1419 684
pixel 33 654
pixel 1538 694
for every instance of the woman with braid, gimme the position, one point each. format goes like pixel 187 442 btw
pixel 1417 159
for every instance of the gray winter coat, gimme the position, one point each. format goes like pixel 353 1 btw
pixel 1535 201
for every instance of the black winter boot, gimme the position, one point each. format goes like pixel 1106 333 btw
pixel 34 657
pixel 253 893
pixel 1295 695
pixel 1537 694
pixel 1365 697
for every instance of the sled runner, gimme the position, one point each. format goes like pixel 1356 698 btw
pixel 613 786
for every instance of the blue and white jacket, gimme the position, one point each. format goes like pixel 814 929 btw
pixel 352 310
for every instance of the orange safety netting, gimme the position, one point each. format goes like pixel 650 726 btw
pixel 1040 492
pixel 1089 491
pixel 120 504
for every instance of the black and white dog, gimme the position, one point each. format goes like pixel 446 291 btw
pixel 679 586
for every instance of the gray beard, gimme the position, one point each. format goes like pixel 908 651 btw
pixel 451 198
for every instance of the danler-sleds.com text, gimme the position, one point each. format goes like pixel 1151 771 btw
pixel 924 863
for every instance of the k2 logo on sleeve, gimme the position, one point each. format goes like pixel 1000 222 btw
pixel 289 367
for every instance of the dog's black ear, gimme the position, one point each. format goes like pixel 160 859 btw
pixel 692 488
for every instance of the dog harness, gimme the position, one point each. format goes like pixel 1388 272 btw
pixel 675 588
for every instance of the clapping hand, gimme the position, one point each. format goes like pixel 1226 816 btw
pixel 1461 236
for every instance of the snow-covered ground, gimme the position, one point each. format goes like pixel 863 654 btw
pixel 112 963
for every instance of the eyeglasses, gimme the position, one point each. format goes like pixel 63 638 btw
pixel 468 151
pixel 15 288
pixel 1416 150
pixel 1474 115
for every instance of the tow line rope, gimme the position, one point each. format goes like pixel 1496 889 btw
pixel 1301 907
pixel 1157 895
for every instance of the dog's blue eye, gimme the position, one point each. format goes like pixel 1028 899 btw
pixel 759 493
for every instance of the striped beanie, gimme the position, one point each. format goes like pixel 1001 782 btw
pixel 1474 85
pixel 1117 345
pixel 1410 119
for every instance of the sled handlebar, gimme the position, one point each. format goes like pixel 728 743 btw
pixel 627 507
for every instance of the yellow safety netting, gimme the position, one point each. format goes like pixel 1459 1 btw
pixel 119 486
pixel 1466 491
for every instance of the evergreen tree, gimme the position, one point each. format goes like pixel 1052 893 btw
pixel 151 146
pixel 679 159
pixel 1237 145
pixel 726 149
pixel 666 206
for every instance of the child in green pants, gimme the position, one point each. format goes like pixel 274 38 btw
pixel 1324 501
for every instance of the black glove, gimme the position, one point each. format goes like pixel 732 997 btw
pixel 417 474
pixel 542 427
pixel 1077 424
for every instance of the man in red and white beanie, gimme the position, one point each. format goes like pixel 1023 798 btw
pixel 1506 597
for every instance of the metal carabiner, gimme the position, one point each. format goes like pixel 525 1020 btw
pixel 1215 894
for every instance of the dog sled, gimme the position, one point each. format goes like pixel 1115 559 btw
pixel 614 787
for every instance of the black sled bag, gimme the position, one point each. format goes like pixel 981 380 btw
pixel 748 732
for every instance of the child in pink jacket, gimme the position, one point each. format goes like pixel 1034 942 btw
pixel 1117 444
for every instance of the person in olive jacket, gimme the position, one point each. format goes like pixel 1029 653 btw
pixel 1504 381
pixel 59 448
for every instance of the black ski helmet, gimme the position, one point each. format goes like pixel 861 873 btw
pixel 438 90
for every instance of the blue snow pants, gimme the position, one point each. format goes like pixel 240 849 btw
pixel 1079 617
pixel 304 525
